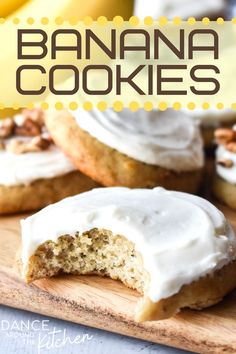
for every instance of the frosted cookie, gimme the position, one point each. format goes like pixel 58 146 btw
pixel 33 171
pixel 224 184
pixel 176 249
pixel 180 8
pixel 138 150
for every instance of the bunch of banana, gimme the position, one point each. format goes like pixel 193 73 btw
pixel 66 9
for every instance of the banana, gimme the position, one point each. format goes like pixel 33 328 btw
pixel 7 7
pixel 50 9
pixel 76 8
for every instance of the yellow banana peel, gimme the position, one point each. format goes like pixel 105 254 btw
pixel 7 7
pixel 76 8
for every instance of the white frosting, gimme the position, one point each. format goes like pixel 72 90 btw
pixel 26 168
pixel 227 173
pixel 181 8
pixel 181 237
pixel 22 169
pixel 212 117
pixel 169 139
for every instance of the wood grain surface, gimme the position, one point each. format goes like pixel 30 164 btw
pixel 107 304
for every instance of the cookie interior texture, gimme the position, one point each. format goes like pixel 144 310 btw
pixel 95 251
pixel 100 252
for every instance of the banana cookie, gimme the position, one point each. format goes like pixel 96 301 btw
pixel 132 149
pixel 176 249
pixel 33 171
pixel 224 184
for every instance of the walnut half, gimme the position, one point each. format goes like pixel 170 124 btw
pixel 36 115
pixel 34 145
pixel 28 128
pixel 227 163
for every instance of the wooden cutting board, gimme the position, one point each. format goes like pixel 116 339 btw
pixel 107 304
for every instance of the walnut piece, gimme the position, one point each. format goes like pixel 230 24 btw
pixel 36 115
pixel 6 128
pixel 34 145
pixel 231 146
pixel 224 135
pixel 39 143
pixel 28 128
pixel 225 163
